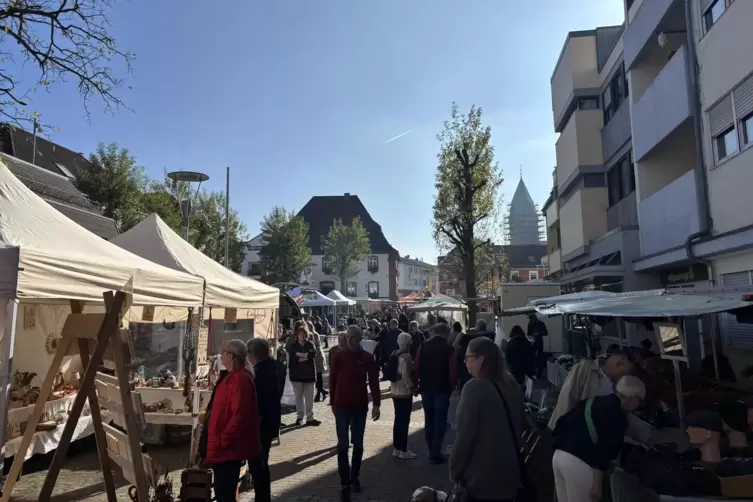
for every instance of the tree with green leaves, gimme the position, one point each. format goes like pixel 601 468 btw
pixel 115 183
pixel 285 253
pixel 345 247
pixel 466 199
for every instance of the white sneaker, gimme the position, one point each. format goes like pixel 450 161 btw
pixel 396 452
pixel 407 455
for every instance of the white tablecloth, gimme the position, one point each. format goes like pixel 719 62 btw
pixel 18 416
pixel 46 441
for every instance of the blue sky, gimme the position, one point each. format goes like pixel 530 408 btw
pixel 299 97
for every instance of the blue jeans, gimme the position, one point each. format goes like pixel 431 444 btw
pixel 436 406
pixel 349 422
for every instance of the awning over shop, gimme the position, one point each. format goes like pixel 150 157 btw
pixel 154 240
pixel 57 260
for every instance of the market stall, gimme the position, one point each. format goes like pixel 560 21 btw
pixel 49 265
pixel 234 307
pixel 664 466
pixel 441 305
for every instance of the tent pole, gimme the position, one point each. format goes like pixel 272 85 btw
pixel 8 342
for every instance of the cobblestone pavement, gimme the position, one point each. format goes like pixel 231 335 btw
pixel 304 465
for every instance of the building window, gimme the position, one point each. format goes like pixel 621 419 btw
pixel 725 144
pixel 713 12
pixel 373 263
pixel 747 130
pixel 66 172
pixel 588 104
pixel 326 265
pixel 254 270
pixel 373 289
pixel 351 289
pixel 621 179
pixel 533 275
pixel 326 287
pixel 515 276
pixel 615 94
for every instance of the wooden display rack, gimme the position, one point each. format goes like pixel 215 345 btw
pixel 98 338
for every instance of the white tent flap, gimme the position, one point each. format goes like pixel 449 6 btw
pixel 60 260
pixel 154 240
pixel 316 299
pixel 339 298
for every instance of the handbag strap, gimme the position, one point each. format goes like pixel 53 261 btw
pixel 521 462
pixel 590 422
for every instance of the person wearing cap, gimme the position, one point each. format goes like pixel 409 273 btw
pixel 589 437
pixel 704 429
pixel 233 422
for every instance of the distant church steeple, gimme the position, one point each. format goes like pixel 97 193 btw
pixel 523 219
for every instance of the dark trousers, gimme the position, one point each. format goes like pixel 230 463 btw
pixel 351 425
pixel 403 408
pixel 259 470
pixel 436 406
pixel 539 357
pixel 319 384
pixel 226 475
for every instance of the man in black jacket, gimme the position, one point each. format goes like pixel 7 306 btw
pixel 268 396
pixel 519 355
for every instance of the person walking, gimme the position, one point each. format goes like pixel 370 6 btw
pixel 436 373
pixel 320 367
pixel 490 421
pixel 417 338
pixel 519 355
pixel 302 374
pixel 402 398
pixel 589 437
pixel 387 344
pixel 352 369
pixel 537 330
pixel 233 422
pixel 342 343
pixel 268 398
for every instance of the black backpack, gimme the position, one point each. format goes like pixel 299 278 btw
pixel 390 369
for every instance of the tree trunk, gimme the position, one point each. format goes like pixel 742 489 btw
pixel 343 281
pixel 470 287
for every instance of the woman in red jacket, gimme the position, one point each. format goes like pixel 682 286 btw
pixel 233 429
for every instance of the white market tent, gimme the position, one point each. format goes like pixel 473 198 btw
pixel 154 240
pixel 340 299
pixel 316 299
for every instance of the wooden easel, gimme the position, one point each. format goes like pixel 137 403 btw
pixel 111 343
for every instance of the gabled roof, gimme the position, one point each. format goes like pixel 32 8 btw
pixel 59 191
pixel 522 202
pixel 320 211
pixel 20 143
pixel 519 256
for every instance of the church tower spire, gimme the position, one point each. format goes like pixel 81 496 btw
pixel 523 219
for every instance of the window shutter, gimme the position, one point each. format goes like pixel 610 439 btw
pixel 705 4
pixel 720 116
pixel 744 98
pixel 737 335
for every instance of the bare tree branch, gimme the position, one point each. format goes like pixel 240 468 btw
pixel 63 38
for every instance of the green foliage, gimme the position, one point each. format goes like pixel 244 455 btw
pixel 467 183
pixel 115 183
pixel 285 252
pixel 344 247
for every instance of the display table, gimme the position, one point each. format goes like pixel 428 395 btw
pixel 46 441
pixel 17 416
pixel 152 395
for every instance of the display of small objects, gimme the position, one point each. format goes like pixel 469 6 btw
pixel 165 378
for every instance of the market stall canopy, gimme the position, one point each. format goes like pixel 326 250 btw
pixel 316 299
pixel 154 240
pixel 57 260
pixel 438 303
pixel 339 298
pixel 644 304
pixel 413 297
pixel 557 300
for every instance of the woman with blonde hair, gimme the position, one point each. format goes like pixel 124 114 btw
pixel 490 420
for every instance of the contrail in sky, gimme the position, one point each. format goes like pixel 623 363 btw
pixel 399 136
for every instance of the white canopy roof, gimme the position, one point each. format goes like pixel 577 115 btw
pixel 316 299
pixel 339 298
pixel 59 260
pixel 154 240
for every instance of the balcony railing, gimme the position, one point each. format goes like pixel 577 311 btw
pixel 662 108
pixel 617 131
pixel 669 216
pixel 652 17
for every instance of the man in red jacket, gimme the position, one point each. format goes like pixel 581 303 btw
pixel 352 368
pixel 233 428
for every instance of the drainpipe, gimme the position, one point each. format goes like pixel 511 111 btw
pixel 704 214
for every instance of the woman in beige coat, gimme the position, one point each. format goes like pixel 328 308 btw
pixel 320 366
pixel 402 397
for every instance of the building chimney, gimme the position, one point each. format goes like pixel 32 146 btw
pixel 347 194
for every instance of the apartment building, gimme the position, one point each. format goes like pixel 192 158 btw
pixel 670 108
pixel 415 275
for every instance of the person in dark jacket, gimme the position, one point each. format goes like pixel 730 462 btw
pixel 482 330
pixel 537 330
pixel 267 394
pixel 417 338
pixel 519 355
pixel 436 379
pixel 388 343
pixel 589 437
pixel 302 374
pixel 233 422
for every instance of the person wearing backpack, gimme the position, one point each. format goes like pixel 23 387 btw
pixel 589 437
pixel 398 370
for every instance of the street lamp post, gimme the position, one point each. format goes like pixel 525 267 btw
pixel 187 348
